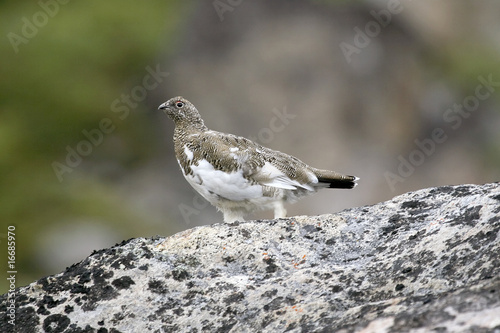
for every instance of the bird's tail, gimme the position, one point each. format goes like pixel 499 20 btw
pixel 332 179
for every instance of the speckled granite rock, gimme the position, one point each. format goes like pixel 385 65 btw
pixel 424 261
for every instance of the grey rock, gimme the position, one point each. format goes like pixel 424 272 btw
pixel 424 261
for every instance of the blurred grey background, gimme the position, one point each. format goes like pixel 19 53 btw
pixel 403 94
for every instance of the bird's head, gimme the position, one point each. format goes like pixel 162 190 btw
pixel 180 110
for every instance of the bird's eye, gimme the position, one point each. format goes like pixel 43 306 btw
pixel 179 104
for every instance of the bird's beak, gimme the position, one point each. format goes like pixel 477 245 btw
pixel 163 106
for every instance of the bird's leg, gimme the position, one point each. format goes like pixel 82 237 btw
pixel 232 216
pixel 279 210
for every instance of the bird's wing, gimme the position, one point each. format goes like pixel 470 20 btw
pixel 260 164
pixel 272 176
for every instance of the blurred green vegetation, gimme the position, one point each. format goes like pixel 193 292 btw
pixel 60 82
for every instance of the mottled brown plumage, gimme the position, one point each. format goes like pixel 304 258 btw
pixel 238 175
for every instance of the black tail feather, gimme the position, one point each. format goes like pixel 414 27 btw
pixel 338 181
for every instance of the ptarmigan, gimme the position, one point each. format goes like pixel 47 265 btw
pixel 237 175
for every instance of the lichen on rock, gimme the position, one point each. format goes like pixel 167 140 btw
pixel 425 260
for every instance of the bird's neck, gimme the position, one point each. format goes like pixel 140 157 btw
pixel 185 129
pixel 190 125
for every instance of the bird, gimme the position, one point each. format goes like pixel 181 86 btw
pixel 239 176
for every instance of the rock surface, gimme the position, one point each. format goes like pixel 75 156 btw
pixel 424 261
